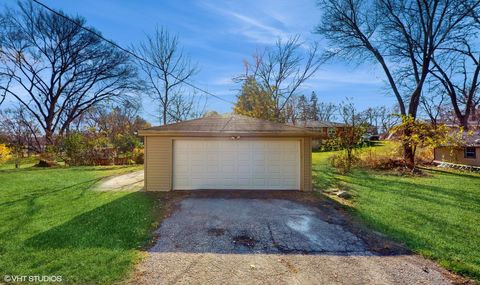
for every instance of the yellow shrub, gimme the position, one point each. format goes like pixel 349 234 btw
pixel 5 153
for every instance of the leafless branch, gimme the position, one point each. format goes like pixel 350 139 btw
pixel 167 76
pixel 56 70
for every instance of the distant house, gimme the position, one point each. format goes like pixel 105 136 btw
pixel 467 153
pixel 325 129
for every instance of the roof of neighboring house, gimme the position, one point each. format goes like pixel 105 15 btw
pixel 226 125
pixel 471 138
pixel 318 124
pixel 468 138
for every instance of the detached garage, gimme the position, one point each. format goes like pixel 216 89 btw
pixel 227 153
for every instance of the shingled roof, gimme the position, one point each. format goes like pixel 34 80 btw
pixel 467 138
pixel 312 124
pixel 217 125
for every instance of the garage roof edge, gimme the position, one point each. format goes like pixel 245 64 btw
pixel 226 126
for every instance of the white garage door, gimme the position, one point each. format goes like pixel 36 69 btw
pixel 236 164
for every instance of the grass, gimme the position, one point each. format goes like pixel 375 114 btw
pixel 26 162
pixel 52 223
pixel 436 215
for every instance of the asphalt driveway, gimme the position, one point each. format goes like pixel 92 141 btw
pixel 274 241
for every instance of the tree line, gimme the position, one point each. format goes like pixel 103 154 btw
pixel 427 50
pixel 56 69
pixel 62 79
pixel 422 47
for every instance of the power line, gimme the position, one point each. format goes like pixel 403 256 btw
pixel 130 52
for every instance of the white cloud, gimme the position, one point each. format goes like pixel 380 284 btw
pixel 360 76
pixel 256 30
pixel 224 81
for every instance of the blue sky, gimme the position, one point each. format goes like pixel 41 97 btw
pixel 219 35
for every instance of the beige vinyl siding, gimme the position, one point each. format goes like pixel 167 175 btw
pixel 307 164
pixel 456 155
pixel 158 163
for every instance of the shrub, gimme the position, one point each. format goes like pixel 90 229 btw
pixel 344 161
pixel 417 134
pixel 138 155
pixel 95 148
pixel 126 143
pixel 74 148
pixel 5 153
pixel 391 158
pixel 382 162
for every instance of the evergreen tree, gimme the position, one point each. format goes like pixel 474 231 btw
pixel 303 108
pixel 314 109
pixel 254 101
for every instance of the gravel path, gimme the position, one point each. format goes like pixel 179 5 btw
pixel 269 241
pixel 125 182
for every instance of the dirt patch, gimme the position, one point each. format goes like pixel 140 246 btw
pixel 45 163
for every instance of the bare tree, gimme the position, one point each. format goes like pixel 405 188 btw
pixel 3 24
pixel 401 36
pixel 433 104
pixel 20 130
pixel 303 109
pixel 283 69
pixel 326 111
pixel 351 138
pixel 388 118
pixel 457 68
pixel 56 70
pixel 296 109
pixel 380 119
pixel 166 72
pixel 184 107
pixel 370 115
pixel 112 120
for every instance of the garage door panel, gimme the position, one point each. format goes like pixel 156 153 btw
pixel 242 164
pixel 259 147
pixel 244 170
pixel 213 146
pixel 257 156
pixel 289 156
pixel 245 159
pixel 260 183
pixel 243 146
pixel 211 169
pixel 227 156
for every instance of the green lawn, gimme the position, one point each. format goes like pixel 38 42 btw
pixel 437 215
pixel 52 223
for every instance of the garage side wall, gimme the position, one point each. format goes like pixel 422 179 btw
pixel 158 164
pixel 307 164
pixel 456 155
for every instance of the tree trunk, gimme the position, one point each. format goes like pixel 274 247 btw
pixel 473 113
pixel 462 118
pixel 409 156
pixel 463 122
pixel 48 140
pixel 408 150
